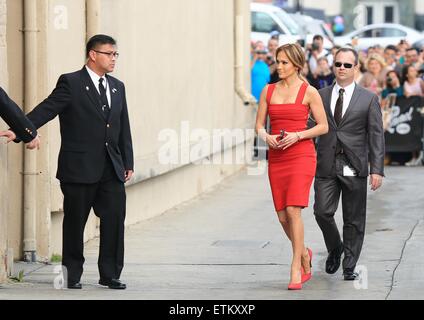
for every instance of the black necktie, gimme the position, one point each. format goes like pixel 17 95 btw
pixel 103 97
pixel 338 112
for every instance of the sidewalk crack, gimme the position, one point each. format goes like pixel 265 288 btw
pixel 401 257
pixel 31 271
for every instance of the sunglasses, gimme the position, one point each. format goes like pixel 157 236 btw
pixel 346 65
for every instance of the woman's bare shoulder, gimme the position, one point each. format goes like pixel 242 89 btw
pixel 311 91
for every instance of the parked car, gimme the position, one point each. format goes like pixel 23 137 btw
pixel 311 27
pixel 419 45
pixel 380 33
pixel 268 18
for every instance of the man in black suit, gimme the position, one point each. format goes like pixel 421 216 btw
pixel 354 141
pixel 95 159
pixel 23 129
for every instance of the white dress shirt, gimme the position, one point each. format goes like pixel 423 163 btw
pixel 347 96
pixel 95 78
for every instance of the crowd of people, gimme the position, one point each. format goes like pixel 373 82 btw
pixel 397 69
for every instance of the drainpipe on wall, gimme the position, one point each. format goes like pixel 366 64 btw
pixel 93 17
pixel 243 93
pixel 30 159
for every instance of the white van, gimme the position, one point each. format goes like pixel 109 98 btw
pixel 267 18
pixel 311 27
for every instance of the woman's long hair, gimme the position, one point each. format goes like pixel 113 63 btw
pixel 405 72
pixel 295 54
pixel 377 58
pixel 389 84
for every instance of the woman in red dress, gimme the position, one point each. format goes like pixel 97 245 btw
pixel 292 159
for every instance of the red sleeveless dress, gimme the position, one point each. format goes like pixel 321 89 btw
pixel 291 171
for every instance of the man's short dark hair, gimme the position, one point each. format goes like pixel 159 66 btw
pixel 99 39
pixel 412 49
pixel 318 37
pixel 391 47
pixel 348 49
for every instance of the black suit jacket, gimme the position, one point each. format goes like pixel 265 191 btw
pixel 360 133
pixel 87 137
pixel 15 118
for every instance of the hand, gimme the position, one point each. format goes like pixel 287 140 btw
pixel 290 139
pixel 34 144
pixel 272 141
pixel 376 181
pixel 128 175
pixel 10 135
pixel 254 59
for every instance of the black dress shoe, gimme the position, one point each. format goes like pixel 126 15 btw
pixel 333 261
pixel 350 275
pixel 75 285
pixel 113 284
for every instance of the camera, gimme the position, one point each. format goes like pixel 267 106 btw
pixel 389 80
pixel 261 52
pixel 314 47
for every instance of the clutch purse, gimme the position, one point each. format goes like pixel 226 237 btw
pixel 282 133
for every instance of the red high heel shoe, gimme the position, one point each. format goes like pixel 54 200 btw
pixel 307 276
pixel 296 286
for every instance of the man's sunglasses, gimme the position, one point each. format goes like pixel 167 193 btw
pixel 346 65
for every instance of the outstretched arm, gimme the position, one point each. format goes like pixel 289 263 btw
pixel 16 119
pixel 55 104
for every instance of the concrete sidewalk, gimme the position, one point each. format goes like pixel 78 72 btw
pixel 228 244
